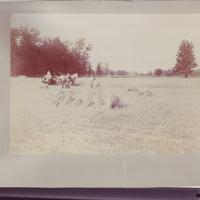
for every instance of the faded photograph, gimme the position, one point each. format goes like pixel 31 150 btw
pixel 105 83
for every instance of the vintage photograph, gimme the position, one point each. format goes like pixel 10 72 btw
pixel 104 84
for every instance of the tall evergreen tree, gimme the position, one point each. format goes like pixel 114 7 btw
pixel 185 60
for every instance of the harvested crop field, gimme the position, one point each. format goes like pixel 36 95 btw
pixel 156 115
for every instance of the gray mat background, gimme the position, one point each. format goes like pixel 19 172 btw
pixel 87 170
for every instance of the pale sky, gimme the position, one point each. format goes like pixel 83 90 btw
pixel 132 42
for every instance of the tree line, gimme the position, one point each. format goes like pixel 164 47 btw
pixel 32 55
pixel 103 69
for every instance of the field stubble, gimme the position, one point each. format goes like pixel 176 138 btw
pixel 159 115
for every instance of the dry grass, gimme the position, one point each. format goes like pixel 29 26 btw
pixel 161 115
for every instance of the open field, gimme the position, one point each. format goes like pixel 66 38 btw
pixel 159 115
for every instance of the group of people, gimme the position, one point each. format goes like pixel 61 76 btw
pixel 64 80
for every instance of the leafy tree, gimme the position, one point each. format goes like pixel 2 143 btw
pixel 24 51
pixel 54 56
pixel 158 72
pixel 106 69
pixel 32 55
pixel 185 60
pixel 112 73
pixel 150 73
pixel 99 69
pixel 90 71
pixel 80 56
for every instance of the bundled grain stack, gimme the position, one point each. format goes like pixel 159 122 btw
pixel 116 103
